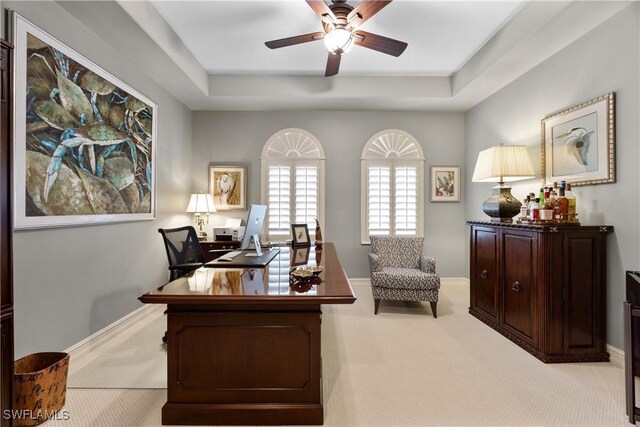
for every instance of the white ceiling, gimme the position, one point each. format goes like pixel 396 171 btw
pixel 459 53
pixel 227 37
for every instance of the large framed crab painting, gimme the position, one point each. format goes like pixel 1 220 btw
pixel 84 142
pixel 578 144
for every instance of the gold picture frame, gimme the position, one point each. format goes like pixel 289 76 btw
pixel 578 144
pixel 228 187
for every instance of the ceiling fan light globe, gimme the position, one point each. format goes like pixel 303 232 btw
pixel 338 41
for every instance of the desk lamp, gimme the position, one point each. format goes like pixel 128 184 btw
pixel 502 163
pixel 201 203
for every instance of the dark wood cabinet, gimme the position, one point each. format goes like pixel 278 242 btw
pixel 543 287
pixel 6 259
pixel 215 248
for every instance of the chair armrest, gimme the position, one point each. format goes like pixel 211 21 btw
pixel 186 267
pixel 374 262
pixel 428 264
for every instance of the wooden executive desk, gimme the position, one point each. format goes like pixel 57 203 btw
pixel 243 346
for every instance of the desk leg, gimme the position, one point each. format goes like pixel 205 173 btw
pixel 241 366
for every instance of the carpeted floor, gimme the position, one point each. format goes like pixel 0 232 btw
pixel 401 367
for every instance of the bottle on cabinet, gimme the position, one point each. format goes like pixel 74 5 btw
pixel 535 209
pixel 572 204
pixel 546 213
pixel 562 207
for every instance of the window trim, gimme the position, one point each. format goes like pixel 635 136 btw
pixel 395 140
pixel 292 147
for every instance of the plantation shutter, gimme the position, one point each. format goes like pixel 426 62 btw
pixel 279 199
pixel 306 196
pixel 406 201
pixel 379 200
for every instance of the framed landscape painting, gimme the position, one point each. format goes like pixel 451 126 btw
pixel 84 141
pixel 578 144
pixel 445 184
pixel 228 187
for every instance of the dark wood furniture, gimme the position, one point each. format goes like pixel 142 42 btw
pixel 6 259
pixel 632 343
pixel 244 345
pixel 214 248
pixel 543 287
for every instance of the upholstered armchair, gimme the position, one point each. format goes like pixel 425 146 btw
pixel 400 272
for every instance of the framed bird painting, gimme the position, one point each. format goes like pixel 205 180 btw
pixel 228 187
pixel 578 144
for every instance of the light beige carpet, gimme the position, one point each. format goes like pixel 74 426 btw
pixel 401 367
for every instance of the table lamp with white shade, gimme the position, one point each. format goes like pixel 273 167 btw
pixel 502 163
pixel 201 203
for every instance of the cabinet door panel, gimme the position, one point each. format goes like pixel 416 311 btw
pixel 485 272
pixel 584 298
pixel 518 283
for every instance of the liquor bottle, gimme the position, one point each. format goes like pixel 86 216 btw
pixel 562 207
pixel 523 208
pixel 535 209
pixel 546 213
pixel 541 196
pixel 572 204
pixel 528 205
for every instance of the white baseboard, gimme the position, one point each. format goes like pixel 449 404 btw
pixel 106 328
pixel 616 356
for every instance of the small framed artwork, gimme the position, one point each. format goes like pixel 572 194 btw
pixel 228 187
pixel 300 256
pixel 300 234
pixel 445 184
pixel 578 144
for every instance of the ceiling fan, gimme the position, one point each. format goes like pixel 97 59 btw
pixel 341 22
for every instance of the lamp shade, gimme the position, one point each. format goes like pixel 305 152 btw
pixel 503 163
pixel 201 203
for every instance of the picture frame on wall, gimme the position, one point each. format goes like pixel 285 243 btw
pixel 228 187
pixel 445 184
pixel 578 143
pixel 84 141
pixel 300 233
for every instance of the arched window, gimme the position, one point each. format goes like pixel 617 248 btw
pixel 292 182
pixel 392 192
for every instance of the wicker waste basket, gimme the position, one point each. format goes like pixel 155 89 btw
pixel 40 387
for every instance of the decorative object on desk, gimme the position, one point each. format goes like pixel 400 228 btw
pixel 502 163
pixel 201 203
pixel 318 235
pixel 300 256
pixel 228 186
pixel 578 144
pixel 84 140
pixel 445 184
pixel 300 234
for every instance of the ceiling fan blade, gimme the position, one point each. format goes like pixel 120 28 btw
pixel 380 43
pixel 333 65
pixel 290 41
pixel 365 10
pixel 322 10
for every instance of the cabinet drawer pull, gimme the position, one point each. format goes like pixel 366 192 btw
pixel 516 286
pixel 484 274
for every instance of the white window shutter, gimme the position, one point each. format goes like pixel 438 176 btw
pixel 379 200
pixel 406 201
pixel 306 197
pixel 279 199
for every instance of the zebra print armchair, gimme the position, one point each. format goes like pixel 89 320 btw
pixel 400 272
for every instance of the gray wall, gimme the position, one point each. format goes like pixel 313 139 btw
pixel 604 60
pixel 238 137
pixel 71 282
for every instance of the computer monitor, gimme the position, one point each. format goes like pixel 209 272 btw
pixel 253 228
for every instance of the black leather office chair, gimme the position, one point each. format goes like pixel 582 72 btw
pixel 183 250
